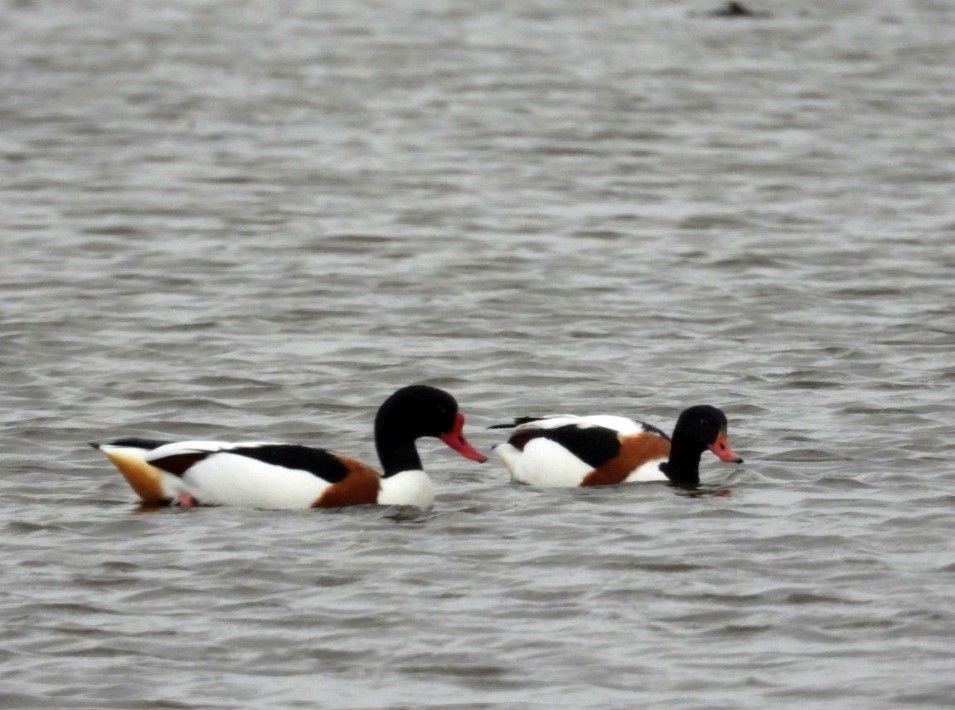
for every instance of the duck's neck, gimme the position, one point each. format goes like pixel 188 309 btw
pixel 683 466
pixel 396 453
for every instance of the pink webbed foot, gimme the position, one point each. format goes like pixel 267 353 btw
pixel 185 500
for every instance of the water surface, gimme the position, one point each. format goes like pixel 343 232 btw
pixel 256 220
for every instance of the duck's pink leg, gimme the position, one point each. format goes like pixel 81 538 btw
pixel 185 500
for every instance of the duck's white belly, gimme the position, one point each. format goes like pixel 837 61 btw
pixel 647 472
pixel 543 462
pixel 235 480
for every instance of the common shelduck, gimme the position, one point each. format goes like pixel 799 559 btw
pixel 273 475
pixel 604 450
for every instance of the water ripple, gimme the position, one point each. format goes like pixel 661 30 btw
pixel 235 222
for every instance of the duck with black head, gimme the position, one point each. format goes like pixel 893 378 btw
pixel 279 475
pixel 596 450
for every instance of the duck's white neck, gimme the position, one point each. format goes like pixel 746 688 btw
pixel 407 488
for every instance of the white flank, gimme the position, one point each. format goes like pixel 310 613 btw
pixel 647 472
pixel 233 479
pixel 543 463
pixel 407 488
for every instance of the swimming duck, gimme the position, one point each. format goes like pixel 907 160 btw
pixel 601 450
pixel 277 475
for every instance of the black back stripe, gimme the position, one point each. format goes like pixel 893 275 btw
pixel 178 464
pixel 518 421
pixel 520 438
pixel 148 444
pixel 653 430
pixel 318 462
pixel 594 445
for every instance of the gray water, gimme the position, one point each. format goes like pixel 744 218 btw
pixel 257 219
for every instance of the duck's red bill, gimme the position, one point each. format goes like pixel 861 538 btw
pixel 724 452
pixel 455 439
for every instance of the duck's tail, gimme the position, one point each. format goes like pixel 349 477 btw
pixel 145 479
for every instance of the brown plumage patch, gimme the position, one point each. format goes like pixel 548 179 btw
pixel 635 450
pixel 142 478
pixel 359 487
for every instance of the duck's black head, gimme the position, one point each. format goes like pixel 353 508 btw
pixel 413 412
pixel 706 426
pixel 697 429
